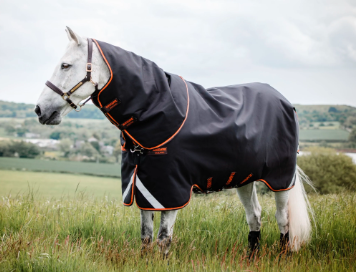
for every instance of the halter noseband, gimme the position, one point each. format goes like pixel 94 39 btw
pixel 66 96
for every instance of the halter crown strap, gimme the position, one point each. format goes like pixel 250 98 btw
pixel 66 95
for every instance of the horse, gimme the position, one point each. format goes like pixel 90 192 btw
pixel 85 67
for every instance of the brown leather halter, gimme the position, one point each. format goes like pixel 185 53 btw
pixel 66 96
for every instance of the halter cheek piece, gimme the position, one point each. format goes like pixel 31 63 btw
pixel 66 96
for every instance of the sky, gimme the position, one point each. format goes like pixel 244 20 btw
pixel 306 49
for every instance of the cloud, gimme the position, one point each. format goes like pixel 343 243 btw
pixel 218 42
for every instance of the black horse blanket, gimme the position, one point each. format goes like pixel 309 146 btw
pixel 177 135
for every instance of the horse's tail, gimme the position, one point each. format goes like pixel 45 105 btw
pixel 299 207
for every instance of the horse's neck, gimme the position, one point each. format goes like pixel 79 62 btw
pixel 101 72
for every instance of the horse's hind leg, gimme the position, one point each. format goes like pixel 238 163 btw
pixel 166 230
pixel 248 197
pixel 282 216
pixel 146 228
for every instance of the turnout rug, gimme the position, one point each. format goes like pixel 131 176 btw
pixel 178 136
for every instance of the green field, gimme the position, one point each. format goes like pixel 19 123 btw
pixel 334 135
pixel 326 125
pixel 88 168
pixel 57 185
pixel 84 233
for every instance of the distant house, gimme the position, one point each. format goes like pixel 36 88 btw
pixel 44 143
pixel 107 149
pixel 31 135
pixel 92 139
pixel 78 144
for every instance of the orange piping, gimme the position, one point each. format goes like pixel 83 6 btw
pixel 265 182
pixel 231 177
pixel 111 76
pixel 247 178
pixel 107 63
pixel 123 136
pixel 170 138
pixel 176 208
pixel 132 189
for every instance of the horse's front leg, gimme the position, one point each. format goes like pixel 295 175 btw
pixel 146 228
pixel 248 197
pixel 165 232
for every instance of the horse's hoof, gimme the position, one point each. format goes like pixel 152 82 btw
pixel 254 238
pixel 165 256
pixel 284 241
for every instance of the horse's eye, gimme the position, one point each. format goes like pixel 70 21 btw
pixel 65 66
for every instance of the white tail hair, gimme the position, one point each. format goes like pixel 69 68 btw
pixel 298 206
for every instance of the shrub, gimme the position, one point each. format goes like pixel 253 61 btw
pixel 331 172
pixel 5 149
pixel 96 146
pixel 23 149
pixel 65 146
pixel 88 150
pixel 26 150
pixel 61 133
pixel 55 135
pixel 352 136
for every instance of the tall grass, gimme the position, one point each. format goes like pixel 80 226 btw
pixel 85 234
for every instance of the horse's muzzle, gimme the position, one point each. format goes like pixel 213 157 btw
pixel 46 119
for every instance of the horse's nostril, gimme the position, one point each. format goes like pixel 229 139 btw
pixel 38 111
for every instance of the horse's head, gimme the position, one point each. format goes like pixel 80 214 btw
pixel 70 70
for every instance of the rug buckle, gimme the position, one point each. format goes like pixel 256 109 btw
pixel 138 149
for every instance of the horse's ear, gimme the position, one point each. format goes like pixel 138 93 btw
pixel 72 36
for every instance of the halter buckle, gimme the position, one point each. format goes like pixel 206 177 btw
pixel 65 96
pixel 89 67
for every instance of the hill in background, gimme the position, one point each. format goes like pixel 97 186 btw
pixel 325 113
pixel 307 113
pixel 22 110
pixel 330 123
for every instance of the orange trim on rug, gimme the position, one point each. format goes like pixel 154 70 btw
pixel 230 178
pixel 209 182
pixel 269 186
pixel 247 178
pixel 132 189
pixel 108 115
pixel 107 84
pixel 107 63
pixel 170 138
pixel 176 208
pixel 123 136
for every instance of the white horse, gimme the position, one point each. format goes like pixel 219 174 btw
pixel 292 206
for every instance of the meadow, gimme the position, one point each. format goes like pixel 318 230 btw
pixel 88 168
pixel 334 135
pixel 55 185
pixel 84 231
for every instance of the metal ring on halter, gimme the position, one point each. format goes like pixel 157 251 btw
pixel 80 108
pixel 91 80
pixel 65 96
pixel 82 105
